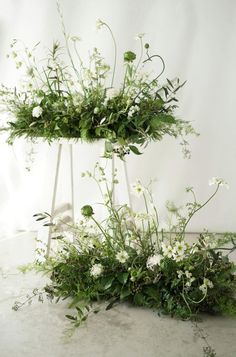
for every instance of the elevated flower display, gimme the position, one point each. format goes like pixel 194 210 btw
pixel 64 97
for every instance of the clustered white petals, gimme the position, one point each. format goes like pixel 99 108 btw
pixel 96 270
pixel 122 256
pixel 137 189
pixel 37 112
pixel 153 261
pixel 218 181
pixel 132 110
pixel 177 252
pixel 206 284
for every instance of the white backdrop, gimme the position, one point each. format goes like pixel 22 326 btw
pixel 197 40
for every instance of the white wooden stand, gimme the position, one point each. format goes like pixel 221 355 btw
pixel 55 186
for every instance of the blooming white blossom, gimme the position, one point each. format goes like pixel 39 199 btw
pixel 137 189
pixel 96 270
pixel 153 261
pixel 206 284
pixel 180 273
pixel 179 248
pixel 37 111
pixel 167 250
pixel 122 256
pixel 218 181
pixel 139 36
pixel 190 278
pixel 132 110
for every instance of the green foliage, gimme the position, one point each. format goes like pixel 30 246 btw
pixel 62 100
pixel 127 257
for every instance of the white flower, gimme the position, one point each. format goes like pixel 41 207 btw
pixel 137 189
pixel 180 273
pixel 179 248
pixel 178 257
pixel 96 270
pixel 188 274
pixel 74 38
pixel 189 282
pixel 139 36
pixel 153 261
pixel 203 288
pixel 218 181
pixel 37 111
pixel 208 283
pixel 122 256
pixel 132 110
pixel 167 250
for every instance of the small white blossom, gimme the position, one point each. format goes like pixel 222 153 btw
pixel 122 256
pixel 167 250
pixel 96 110
pixel 37 111
pixel 74 38
pixel 188 274
pixel 180 273
pixel 218 181
pixel 132 110
pixel 137 189
pixel 179 248
pixel 139 36
pixel 203 288
pixel 153 261
pixel 206 284
pixel 96 270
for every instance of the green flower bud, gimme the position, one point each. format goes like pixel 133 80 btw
pixel 129 56
pixel 146 45
pixel 87 211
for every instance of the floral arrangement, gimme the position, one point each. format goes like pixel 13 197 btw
pixel 130 257
pixel 62 97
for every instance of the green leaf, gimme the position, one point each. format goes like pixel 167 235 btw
pixel 125 292
pixel 135 150
pixel 153 293
pixel 139 299
pixel 107 282
pixel 71 317
pixel 123 277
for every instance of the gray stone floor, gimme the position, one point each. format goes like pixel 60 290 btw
pixel 38 330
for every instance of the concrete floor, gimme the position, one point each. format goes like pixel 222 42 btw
pixel 38 330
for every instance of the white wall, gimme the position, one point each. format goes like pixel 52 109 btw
pixel 197 40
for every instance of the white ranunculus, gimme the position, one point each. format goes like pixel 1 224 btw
pixel 37 111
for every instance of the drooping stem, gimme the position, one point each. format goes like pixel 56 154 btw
pixel 115 53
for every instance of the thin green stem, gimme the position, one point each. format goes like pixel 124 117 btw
pixel 200 207
pixel 115 52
